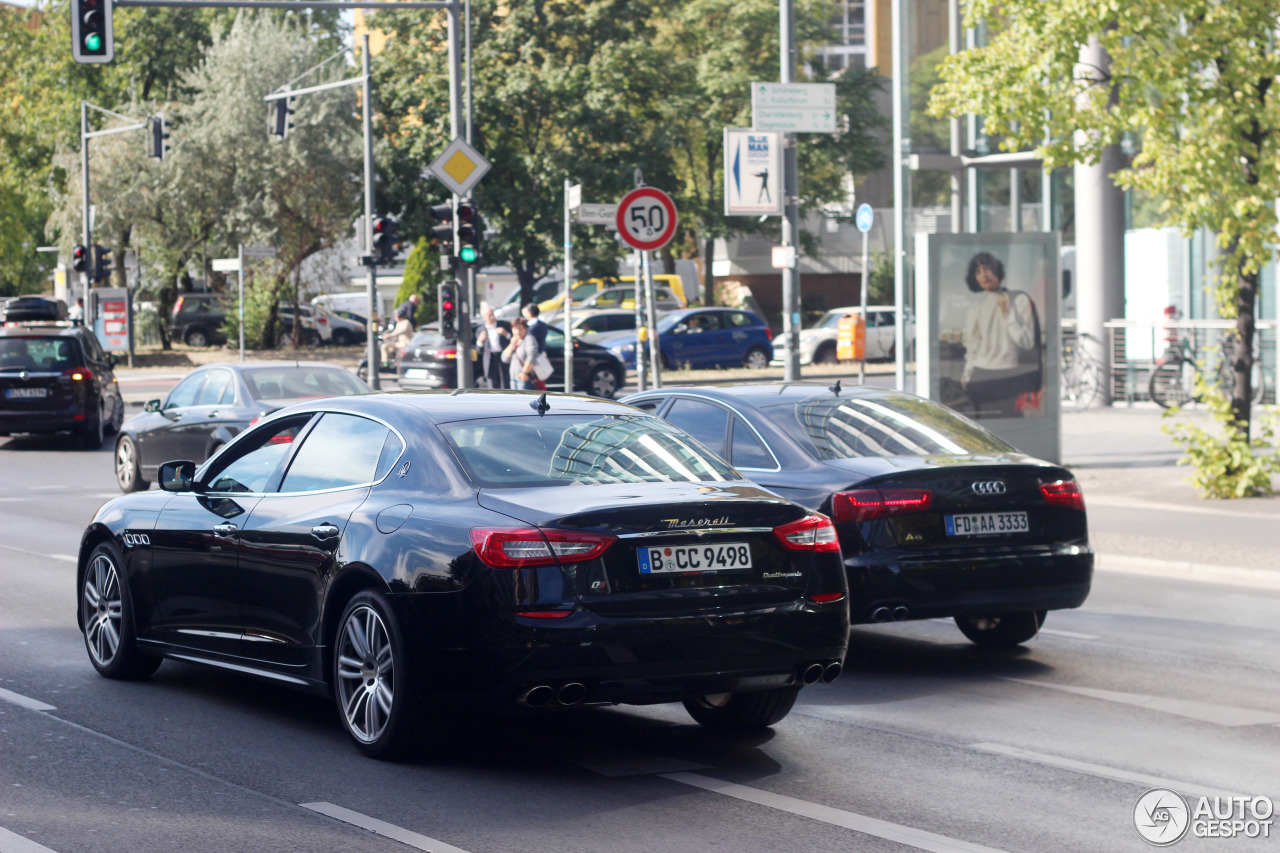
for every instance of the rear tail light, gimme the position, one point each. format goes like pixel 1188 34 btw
pixel 177 306
pixel 1063 493
pixel 811 533
pixel 826 597
pixel 523 547
pixel 78 374
pixel 768 333
pixel 403 353
pixel 448 354
pixel 870 504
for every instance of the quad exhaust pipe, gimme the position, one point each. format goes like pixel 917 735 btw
pixel 825 672
pixel 812 673
pixel 885 614
pixel 831 672
pixel 542 695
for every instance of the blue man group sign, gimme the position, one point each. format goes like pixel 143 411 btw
pixel 752 172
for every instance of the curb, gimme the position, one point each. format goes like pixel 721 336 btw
pixel 1200 572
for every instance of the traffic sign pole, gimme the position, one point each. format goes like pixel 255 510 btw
pixel 791 215
pixel 569 187
pixel 863 219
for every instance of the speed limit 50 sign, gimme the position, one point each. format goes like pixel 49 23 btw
pixel 647 218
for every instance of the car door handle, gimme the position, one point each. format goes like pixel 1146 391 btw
pixel 224 529
pixel 324 531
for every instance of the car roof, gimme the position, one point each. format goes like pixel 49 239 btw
pixel 253 365
pixel 770 393
pixel 17 329
pixel 463 405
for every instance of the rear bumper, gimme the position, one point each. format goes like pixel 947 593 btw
pixel 973 585
pixel 42 422
pixel 628 660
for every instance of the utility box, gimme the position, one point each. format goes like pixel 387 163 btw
pixel 851 338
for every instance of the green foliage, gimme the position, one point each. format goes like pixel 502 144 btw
pixel 1227 461
pixel 880 290
pixel 422 275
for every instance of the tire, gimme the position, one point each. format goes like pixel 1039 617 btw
pixel 741 713
pixel 756 358
pixel 106 618
pixel 377 701
pixel 342 338
pixel 603 382
pixel 1079 385
pixel 128 469
pixel 92 433
pixel 362 372
pixel 1172 384
pixel 826 354
pixel 196 337
pixel 1003 631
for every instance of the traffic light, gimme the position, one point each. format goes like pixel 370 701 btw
pixel 91 38
pixel 470 232
pixel 384 238
pixel 157 137
pixel 443 234
pixel 282 117
pixel 101 263
pixel 79 258
pixel 449 309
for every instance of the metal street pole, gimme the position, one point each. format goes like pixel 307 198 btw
pixel 87 234
pixel 567 322
pixel 642 329
pixel 790 212
pixel 374 356
pixel 655 352
pixel 466 303
pixel 862 365
pixel 900 189
pixel 240 268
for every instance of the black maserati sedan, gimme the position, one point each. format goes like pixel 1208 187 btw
pixel 212 405
pixel 936 516
pixel 430 362
pixel 419 554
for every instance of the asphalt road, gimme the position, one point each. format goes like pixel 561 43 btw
pixel 925 742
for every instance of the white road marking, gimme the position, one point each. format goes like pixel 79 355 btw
pixel 11 842
pixel 1203 572
pixel 65 557
pixel 378 827
pixel 1100 770
pixel 906 835
pixel 614 762
pixel 1206 712
pixel 1071 635
pixel 24 701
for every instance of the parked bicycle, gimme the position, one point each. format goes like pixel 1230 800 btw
pixel 1082 374
pixel 1173 382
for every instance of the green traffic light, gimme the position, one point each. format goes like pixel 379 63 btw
pixel 93 42
pixel 468 254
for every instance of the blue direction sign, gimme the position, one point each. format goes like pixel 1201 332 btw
pixel 863 217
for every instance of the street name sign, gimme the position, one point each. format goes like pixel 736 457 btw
pixel 752 172
pixel 459 167
pixel 226 265
pixel 597 214
pixel 794 107
pixel 646 218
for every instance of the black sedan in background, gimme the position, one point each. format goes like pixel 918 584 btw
pixel 430 361
pixel 936 516
pixel 213 405
pixel 418 554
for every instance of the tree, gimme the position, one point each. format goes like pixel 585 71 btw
pixel 422 275
pixel 1193 82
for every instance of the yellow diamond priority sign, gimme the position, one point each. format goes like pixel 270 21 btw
pixel 459 167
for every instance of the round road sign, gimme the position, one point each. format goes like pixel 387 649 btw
pixel 864 217
pixel 647 218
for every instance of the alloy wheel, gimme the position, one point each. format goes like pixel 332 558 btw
pixel 366 674
pixel 126 465
pixel 102 609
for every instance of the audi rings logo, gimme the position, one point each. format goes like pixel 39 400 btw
pixel 988 487
pixel 136 540
pixel 1161 817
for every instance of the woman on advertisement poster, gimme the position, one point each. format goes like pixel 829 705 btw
pixel 1002 343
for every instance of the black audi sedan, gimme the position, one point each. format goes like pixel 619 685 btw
pixel 212 405
pixel 418 554
pixel 430 361
pixel 936 516
pixel 55 377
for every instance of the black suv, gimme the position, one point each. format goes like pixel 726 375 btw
pixel 197 319
pixel 55 377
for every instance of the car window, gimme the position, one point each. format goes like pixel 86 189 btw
pixel 215 388
pixel 255 460
pixel 284 383
pixel 186 392
pixel 580 450
pixel 622 322
pixel 430 339
pixel 748 450
pixel 884 318
pixel 582 291
pixel 704 421
pixel 555 339
pixel 888 425
pixel 739 318
pixel 40 354
pixel 341 450
pixel 831 320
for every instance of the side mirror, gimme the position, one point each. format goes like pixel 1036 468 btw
pixel 152 406
pixel 177 476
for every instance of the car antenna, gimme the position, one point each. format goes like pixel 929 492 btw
pixel 835 389
pixel 540 405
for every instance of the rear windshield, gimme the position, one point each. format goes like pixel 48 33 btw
pixel 287 383
pixel 39 354
pixel 566 450
pixel 430 339
pixel 891 425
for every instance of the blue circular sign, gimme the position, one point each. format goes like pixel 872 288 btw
pixel 864 217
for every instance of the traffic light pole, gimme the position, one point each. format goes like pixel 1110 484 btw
pixel 375 357
pixel 87 231
pixel 466 371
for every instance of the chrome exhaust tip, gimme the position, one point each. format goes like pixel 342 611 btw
pixel 900 613
pixel 537 696
pixel 571 693
pixel 880 614
pixel 812 673
pixel 832 672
